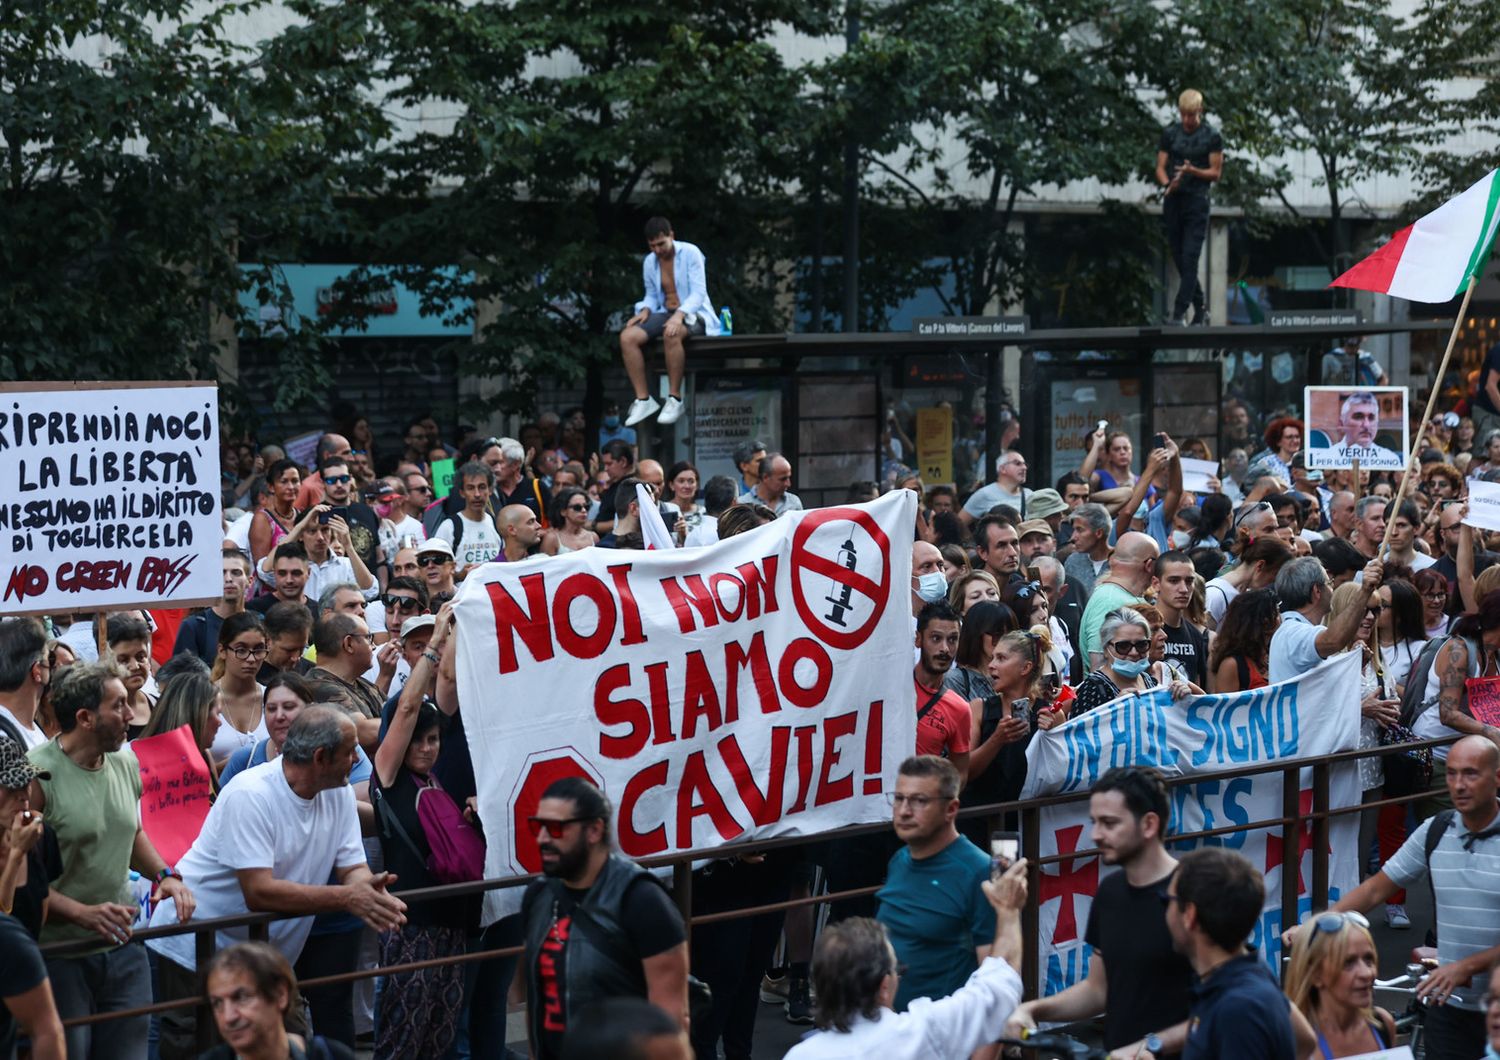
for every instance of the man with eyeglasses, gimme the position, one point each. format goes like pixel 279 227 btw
pixel 596 924
pixel 345 650
pixel 933 910
pixel 1464 868
pixel 1008 489
pixel 1454 536
pixel 1302 642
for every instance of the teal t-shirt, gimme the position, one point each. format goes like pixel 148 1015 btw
pixel 935 915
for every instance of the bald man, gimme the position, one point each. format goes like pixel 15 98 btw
pixel 928 584
pixel 650 472
pixel 520 531
pixel 404 564
pixel 1131 570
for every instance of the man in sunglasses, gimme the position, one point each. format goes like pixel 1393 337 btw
pixel 404 598
pixel 418 499
pixel 435 562
pixel 596 924
pixel 363 523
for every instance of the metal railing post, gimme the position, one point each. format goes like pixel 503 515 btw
pixel 1291 825
pixel 1031 917
pixel 203 1024
pixel 1320 836
pixel 682 892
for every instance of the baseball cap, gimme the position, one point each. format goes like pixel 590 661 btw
pixel 436 544
pixel 381 491
pixel 1034 526
pixel 416 622
pixel 1043 503
pixel 16 770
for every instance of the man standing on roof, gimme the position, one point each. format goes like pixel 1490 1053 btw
pixel 674 306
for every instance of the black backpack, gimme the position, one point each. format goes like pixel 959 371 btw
pixel 1412 701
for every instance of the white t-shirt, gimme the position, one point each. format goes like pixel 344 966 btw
pixel 480 543
pixel 259 822
pixel 1218 594
pixel 406 526
pixel 35 737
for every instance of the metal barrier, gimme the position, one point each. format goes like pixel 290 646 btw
pixel 1290 821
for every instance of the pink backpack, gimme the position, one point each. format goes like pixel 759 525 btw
pixel 457 848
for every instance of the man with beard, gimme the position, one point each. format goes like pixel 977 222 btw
pixel 90 794
pixel 597 925
pixel 943 717
pixel 1135 978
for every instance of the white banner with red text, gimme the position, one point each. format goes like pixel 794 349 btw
pixel 109 496
pixel 755 688
pixel 1316 714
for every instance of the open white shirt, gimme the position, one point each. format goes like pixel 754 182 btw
pixel 689 277
pixel 951 1027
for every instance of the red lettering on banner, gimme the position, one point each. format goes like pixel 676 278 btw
pixel 786 672
pixel 162 576
pixel 630 712
pixel 28 580
pixel 829 789
pixel 737 594
pixel 700 698
pixel 760 584
pixel 94 577
pixel 736 658
pixel 582 586
pixel 641 844
pixel 661 707
pixel 764 808
pixel 532 625
pixel 1068 882
pixel 630 611
pixel 686 595
pixel 804 766
pixel 873 749
pixel 708 802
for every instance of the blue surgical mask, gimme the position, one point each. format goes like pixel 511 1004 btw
pixel 932 587
pixel 1129 667
pixel 611 422
pixel 1180 538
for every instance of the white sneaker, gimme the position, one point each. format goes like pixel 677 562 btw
pixel 640 408
pixel 1395 917
pixel 671 411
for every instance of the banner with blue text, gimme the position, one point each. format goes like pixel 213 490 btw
pixel 1316 714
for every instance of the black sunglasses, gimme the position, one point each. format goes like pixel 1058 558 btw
pixel 432 559
pixel 401 603
pixel 1122 647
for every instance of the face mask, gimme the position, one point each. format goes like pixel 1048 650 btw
pixel 1180 538
pixel 1129 667
pixel 611 422
pixel 932 587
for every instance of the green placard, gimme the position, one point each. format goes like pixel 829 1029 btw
pixel 442 478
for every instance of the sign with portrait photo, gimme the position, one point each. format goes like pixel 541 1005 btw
pixel 1346 423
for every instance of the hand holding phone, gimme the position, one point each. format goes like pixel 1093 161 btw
pixel 1005 851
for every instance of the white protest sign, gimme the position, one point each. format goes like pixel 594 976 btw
pixel 758 687
pixel 1196 473
pixel 109 496
pixel 1484 505
pixel 1316 714
pixel 1402 1052
pixel 1349 423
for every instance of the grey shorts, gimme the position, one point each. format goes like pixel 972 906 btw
pixel 654 324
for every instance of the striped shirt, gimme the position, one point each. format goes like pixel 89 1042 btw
pixel 1467 888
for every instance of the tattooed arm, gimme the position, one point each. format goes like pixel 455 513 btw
pixel 1453 697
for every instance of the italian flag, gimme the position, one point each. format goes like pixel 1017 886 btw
pixel 1432 260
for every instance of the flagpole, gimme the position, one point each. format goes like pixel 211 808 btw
pixel 1437 384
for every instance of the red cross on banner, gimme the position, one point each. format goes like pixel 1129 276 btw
pixel 1274 851
pixel 1070 881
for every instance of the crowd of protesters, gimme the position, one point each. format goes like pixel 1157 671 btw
pixel 321 698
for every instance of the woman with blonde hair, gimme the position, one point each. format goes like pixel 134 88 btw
pixel 1331 981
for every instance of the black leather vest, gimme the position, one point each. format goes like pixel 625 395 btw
pixel 600 961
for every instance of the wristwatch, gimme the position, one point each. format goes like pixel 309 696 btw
pixel 1153 1044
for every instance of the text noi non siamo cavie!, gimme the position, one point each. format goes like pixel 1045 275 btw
pixel 636 711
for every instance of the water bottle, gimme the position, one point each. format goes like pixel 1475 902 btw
pixel 726 318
